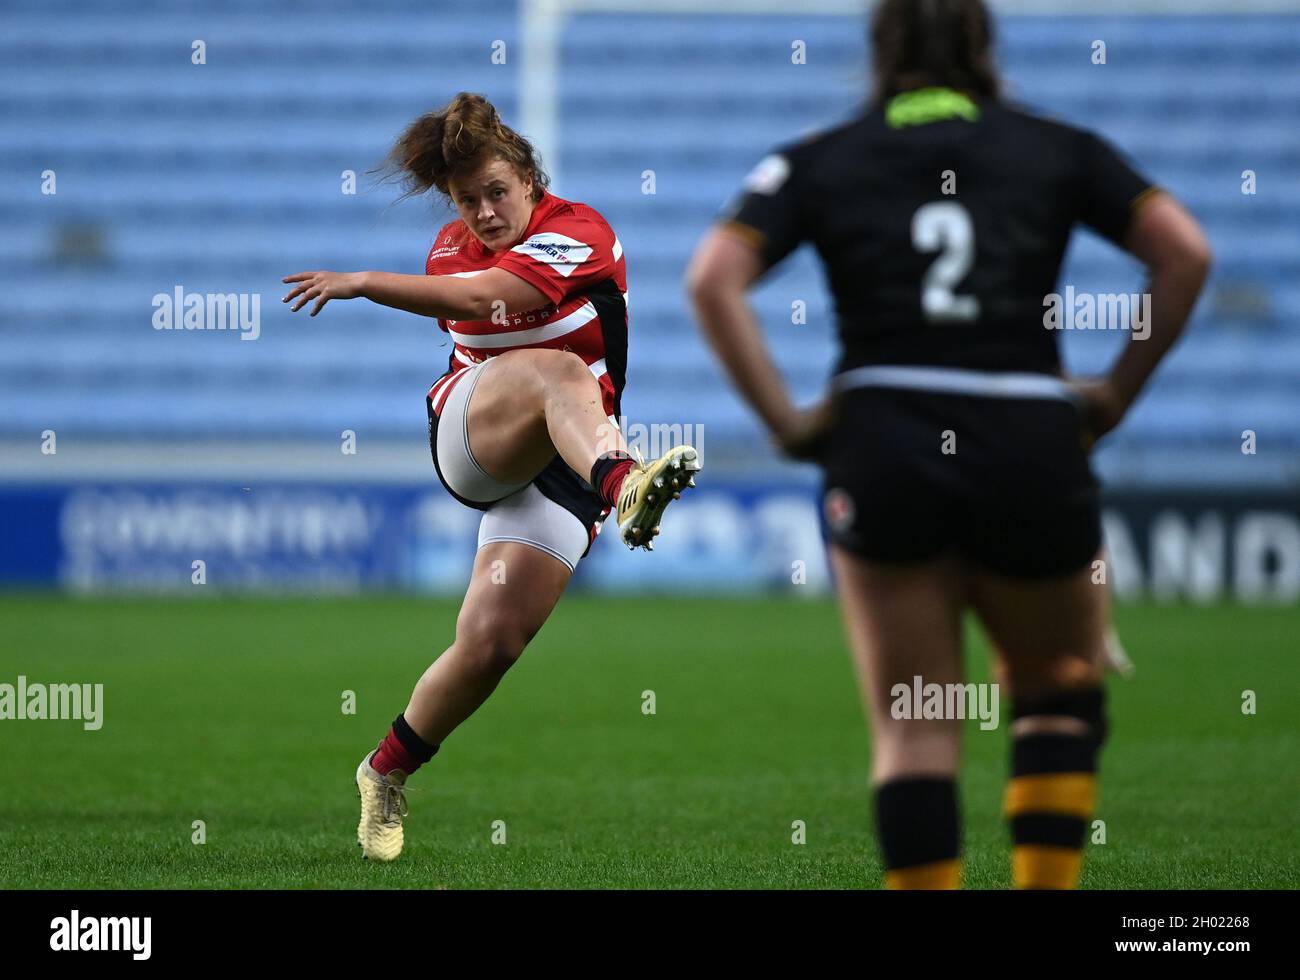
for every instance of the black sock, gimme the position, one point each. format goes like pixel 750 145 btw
pixel 1051 795
pixel 412 742
pixel 605 466
pixel 916 818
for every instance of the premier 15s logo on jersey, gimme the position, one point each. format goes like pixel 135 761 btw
pixel 560 252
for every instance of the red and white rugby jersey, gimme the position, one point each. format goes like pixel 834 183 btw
pixel 571 254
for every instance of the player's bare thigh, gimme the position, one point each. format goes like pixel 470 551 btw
pixel 1049 635
pixel 507 411
pixel 902 622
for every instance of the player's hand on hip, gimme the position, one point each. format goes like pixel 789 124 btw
pixel 805 433
pixel 322 287
pixel 1101 405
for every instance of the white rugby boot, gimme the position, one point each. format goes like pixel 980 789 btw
pixel 383 805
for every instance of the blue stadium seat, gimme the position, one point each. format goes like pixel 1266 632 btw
pixel 225 176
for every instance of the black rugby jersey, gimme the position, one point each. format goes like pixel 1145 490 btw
pixel 924 277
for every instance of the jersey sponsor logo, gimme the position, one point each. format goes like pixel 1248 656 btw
pixel 526 318
pixel 576 320
pixel 560 252
pixel 768 176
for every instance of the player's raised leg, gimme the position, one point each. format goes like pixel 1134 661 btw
pixel 529 405
pixel 512 591
pixel 1050 636
pixel 904 621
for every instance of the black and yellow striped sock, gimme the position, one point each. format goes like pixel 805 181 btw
pixel 916 818
pixel 1053 790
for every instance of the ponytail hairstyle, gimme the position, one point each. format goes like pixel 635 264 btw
pixel 918 43
pixel 456 141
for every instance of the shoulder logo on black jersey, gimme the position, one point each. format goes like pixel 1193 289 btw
pixel 768 176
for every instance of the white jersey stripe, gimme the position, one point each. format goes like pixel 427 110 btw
pixel 441 398
pixel 442 382
pixel 438 393
pixel 576 320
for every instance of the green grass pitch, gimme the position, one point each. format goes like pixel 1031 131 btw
pixel 229 712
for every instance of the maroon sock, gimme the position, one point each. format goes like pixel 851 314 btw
pixel 608 473
pixel 401 749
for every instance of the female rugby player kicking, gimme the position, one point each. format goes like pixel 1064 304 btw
pixel 954 452
pixel 532 289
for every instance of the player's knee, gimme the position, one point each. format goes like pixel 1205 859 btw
pixel 914 746
pixel 560 367
pixel 1043 676
pixel 490 645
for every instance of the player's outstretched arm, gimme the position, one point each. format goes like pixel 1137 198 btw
pixel 492 294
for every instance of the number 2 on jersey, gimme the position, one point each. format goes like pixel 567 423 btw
pixel 945 226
